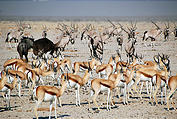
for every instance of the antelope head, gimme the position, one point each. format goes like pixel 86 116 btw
pixel 85 32
pixel 167 26
pixel 166 61
pixel 166 31
pixel 139 58
pixel 131 30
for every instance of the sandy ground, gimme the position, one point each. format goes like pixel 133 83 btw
pixel 23 108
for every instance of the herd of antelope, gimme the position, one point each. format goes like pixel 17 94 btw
pixel 49 64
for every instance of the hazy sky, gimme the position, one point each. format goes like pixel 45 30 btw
pixel 88 7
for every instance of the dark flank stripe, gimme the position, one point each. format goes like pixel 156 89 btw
pixel 73 79
pixel 103 68
pixel 84 65
pixel 147 75
pixel 51 93
pixel 104 84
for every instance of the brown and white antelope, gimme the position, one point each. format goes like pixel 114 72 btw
pixel 107 69
pixel 75 81
pixel 22 77
pixel 12 63
pixel 98 85
pixel 48 93
pixel 62 65
pixel 160 80
pixel 6 86
pixel 146 73
pixel 85 65
pixel 104 69
pixel 172 83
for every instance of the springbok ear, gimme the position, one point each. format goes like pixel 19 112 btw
pixel 65 77
pixel 121 70
pixel 156 58
pixel 120 64
pixel 142 56
pixel 45 59
pixel 89 68
pixel 161 57
pixel 113 57
pixel 39 65
pixel 33 57
pixel 167 56
pixel 62 72
pixel 6 71
pixel 16 75
pixel 2 72
pixel 136 69
pixel 166 62
pixel 100 59
pixel 136 56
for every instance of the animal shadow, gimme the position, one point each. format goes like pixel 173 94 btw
pixel 53 117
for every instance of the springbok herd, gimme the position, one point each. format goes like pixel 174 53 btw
pixel 117 77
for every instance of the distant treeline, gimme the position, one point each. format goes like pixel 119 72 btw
pixel 88 18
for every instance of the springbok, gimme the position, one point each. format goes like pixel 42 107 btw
pixel 107 68
pixel 85 65
pixel 76 81
pixel 6 86
pixel 172 83
pixel 22 77
pixel 11 63
pixel 98 85
pixel 146 73
pixel 58 65
pixel 48 93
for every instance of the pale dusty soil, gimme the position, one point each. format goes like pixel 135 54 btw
pixel 23 108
